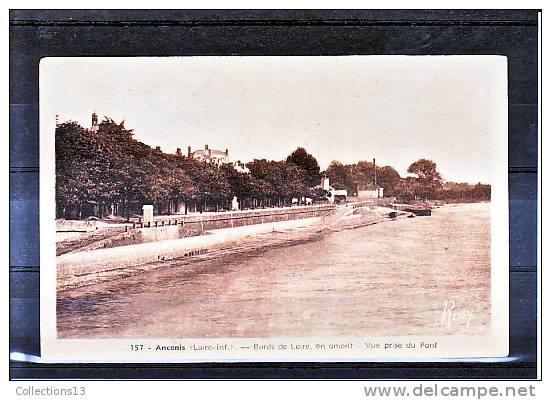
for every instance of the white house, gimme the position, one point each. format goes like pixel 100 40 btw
pixel 335 195
pixel 241 167
pixel 370 192
pixel 209 155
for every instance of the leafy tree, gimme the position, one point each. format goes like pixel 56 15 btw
pixel 340 176
pixel 308 163
pixel 429 181
pixel 363 173
pixel 407 188
pixel 425 169
pixel 389 179
pixel 279 181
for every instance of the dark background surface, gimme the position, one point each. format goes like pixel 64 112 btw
pixel 37 34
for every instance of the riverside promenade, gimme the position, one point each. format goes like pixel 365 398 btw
pixel 93 266
pixel 98 234
pixel 86 267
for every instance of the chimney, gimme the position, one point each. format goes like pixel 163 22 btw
pixel 189 151
pixel 226 151
pixel 178 151
pixel 206 147
pixel 375 172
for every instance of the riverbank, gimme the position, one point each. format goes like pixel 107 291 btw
pixel 389 277
pixel 92 235
pixel 90 267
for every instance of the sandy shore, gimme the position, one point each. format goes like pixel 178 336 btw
pixel 90 267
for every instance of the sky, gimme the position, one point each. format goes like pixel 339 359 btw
pixel 397 109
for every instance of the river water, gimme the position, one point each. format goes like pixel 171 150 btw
pixel 392 278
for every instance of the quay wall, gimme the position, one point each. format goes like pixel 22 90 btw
pixel 101 264
pixel 168 228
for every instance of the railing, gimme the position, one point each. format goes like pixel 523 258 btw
pixel 284 213
pixel 362 204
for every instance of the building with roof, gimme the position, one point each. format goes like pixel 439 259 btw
pixel 217 157
pixel 370 191
pixel 240 166
pixel 335 195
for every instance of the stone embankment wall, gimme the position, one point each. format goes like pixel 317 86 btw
pixel 184 226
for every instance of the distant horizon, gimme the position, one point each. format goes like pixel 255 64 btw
pixel 396 109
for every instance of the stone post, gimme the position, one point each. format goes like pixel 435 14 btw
pixel 147 215
pixel 235 204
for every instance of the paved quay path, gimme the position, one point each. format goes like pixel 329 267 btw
pixel 77 268
pixel 93 266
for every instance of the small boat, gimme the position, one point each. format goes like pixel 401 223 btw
pixel 392 214
pixel 418 211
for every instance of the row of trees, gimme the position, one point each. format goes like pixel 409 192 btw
pixel 352 176
pixel 425 182
pixel 465 192
pixel 109 172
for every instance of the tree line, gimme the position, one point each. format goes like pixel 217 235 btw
pixel 110 172
pixel 424 183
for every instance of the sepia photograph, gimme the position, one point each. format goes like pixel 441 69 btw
pixel 261 208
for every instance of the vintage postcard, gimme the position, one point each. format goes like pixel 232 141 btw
pixel 344 208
